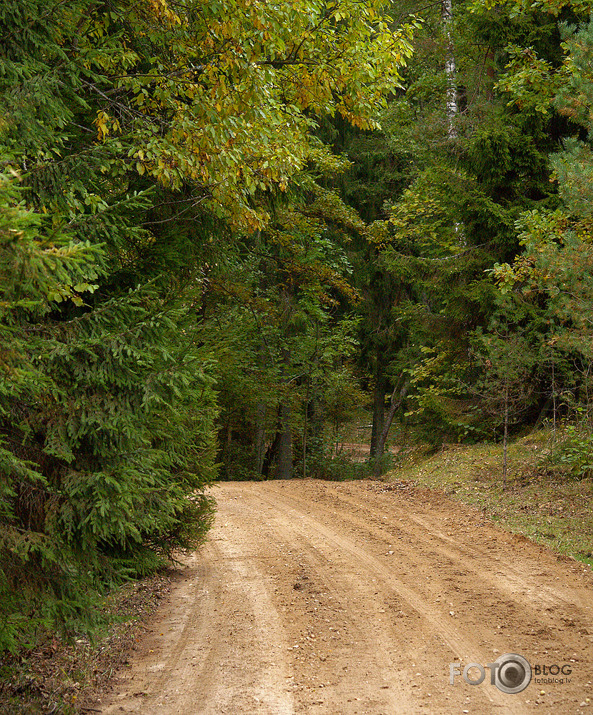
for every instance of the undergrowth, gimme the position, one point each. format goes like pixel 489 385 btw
pixel 58 677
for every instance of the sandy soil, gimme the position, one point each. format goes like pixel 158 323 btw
pixel 342 598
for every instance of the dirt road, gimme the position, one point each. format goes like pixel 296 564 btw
pixel 342 598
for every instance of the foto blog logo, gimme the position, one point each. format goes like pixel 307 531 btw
pixel 510 673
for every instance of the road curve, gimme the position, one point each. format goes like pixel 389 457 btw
pixel 343 598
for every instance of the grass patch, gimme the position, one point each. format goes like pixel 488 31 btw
pixel 540 501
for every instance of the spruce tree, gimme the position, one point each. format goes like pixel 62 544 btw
pixel 107 406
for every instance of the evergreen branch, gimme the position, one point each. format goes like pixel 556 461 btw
pixel 34 20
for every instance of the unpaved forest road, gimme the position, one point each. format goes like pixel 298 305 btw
pixel 339 598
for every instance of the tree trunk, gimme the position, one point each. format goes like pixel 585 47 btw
pixel 554 397
pixel 227 447
pixel 284 453
pixel 393 408
pixel 378 412
pixel 270 456
pixel 450 70
pixel 284 463
pixel 505 435
pixel 305 444
pixel 314 426
pixel 260 437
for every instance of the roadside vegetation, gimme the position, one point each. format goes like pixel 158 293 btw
pixel 60 676
pixel 542 499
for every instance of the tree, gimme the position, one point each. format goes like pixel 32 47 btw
pixel 456 216
pixel 279 314
pixel 95 474
pixel 144 136
pixel 508 357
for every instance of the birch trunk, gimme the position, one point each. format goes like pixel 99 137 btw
pixel 452 108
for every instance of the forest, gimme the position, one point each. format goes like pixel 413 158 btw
pixel 229 228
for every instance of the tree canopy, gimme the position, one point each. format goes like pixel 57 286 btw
pixel 158 183
pixel 229 227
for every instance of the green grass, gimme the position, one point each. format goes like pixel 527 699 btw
pixel 540 500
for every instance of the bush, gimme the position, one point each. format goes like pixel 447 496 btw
pixel 574 451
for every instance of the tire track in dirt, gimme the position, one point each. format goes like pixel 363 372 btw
pixel 548 617
pixel 516 579
pixel 189 662
pixel 437 624
pixel 347 598
pixel 356 664
pixel 449 551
